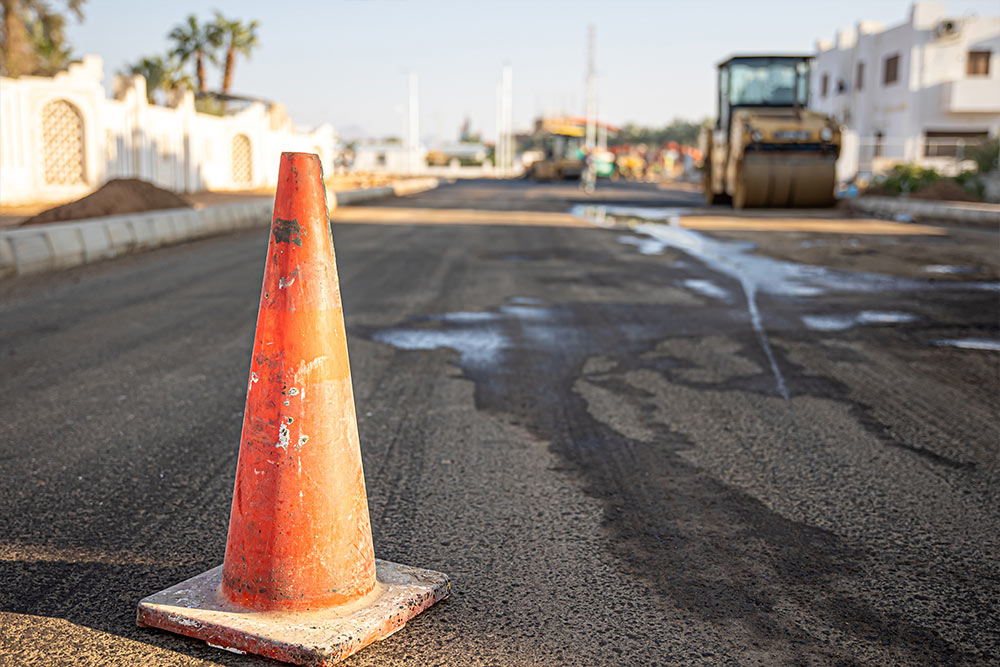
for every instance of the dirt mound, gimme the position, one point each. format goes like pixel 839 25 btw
pixel 121 195
pixel 878 191
pixel 945 191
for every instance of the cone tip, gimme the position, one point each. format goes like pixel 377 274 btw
pixel 300 160
pixel 305 165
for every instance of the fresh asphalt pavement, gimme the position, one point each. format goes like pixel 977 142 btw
pixel 626 447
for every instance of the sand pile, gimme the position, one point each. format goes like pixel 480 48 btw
pixel 945 190
pixel 122 195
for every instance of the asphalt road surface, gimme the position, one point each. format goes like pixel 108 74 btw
pixel 634 444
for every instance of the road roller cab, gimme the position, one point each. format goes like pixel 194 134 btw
pixel 766 148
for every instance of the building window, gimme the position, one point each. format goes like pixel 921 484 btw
pixel 824 85
pixel 860 83
pixel 877 149
pixel 841 86
pixel 890 72
pixel 951 143
pixel 978 63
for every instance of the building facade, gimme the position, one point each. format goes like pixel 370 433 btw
pixel 919 92
pixel 389 158
pixel 61 137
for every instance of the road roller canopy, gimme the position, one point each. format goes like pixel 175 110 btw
pixel 763 81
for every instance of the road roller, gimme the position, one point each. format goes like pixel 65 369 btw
pixel 561 141
pixel 766 148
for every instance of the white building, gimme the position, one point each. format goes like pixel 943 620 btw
pixel 61 137
pixel 917 92
pixel 389 157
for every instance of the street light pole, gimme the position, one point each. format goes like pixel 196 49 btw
pixel 498 146
pixel 413 132
pixel 507 110
pixel 591 136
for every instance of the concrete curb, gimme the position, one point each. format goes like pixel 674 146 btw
pixel 396 189
pixel 39 248
pixel 919 209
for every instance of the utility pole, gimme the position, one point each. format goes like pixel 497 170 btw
pixel 503 152
pixel 591 136
pixel 508 111
pixel 498 146
pixel 413 131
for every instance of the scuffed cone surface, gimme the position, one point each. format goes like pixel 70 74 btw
pixel 299 532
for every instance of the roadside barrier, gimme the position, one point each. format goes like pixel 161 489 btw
pixel 300 582
pixel 48 247
pixel 922 209
pixel 395 189
pixel 38 248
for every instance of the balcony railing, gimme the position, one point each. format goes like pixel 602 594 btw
pixel 946 154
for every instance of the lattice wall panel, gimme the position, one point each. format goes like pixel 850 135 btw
pixel 62 144
pixel 242 166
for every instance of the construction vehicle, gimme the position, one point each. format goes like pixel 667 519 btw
pixel 561 143
pixel 766 148
pixel 559 149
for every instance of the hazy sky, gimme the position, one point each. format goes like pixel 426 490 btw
pixel 346 61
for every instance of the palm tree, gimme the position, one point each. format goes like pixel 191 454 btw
pixel 238 37
pixel 32 39
pixel 152 69
pixel 48 37
pixel 191 39
pixel 160 74
pixel 174 76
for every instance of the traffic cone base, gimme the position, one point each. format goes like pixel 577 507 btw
pixel 197 608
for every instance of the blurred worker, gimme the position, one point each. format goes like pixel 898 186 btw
pixel 670 162
pixel 588 180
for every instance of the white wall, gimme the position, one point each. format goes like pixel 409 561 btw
pixel 174 147
pixel 932 93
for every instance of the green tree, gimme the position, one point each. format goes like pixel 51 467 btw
pixel 33 37
pixel 195 41
pixel 153 70
pixel 49 41
pixel 679 130
pixel 238 38
pixel 985 154
pixel 161 75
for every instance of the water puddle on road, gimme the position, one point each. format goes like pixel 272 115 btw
pixel 948 269
pixel 608 216
pixel 465 316
pixel 480 337
pixel 989 344
pixel 644 246
pixel 843 322
pixel 477 347
pixel 706 288
pixel 755 273
pixel 737 259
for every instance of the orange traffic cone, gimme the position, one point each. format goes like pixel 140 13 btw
pixel 300 581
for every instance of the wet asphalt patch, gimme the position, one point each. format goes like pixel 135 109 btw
pixel 664 513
